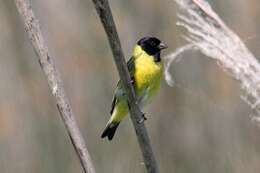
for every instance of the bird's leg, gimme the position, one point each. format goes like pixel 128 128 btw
pixel 142 119
pixel 143 115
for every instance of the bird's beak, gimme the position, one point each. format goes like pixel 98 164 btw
pixel 162 46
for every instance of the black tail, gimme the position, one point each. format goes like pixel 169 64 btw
pixel 110 130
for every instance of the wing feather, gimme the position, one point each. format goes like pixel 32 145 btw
pixel 119 88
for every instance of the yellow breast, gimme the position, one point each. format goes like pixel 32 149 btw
pixel 148 73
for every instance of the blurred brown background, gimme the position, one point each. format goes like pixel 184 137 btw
pixel 199 126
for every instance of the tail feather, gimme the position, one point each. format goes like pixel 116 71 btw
pixel 110 130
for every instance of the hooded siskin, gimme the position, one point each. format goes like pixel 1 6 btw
pixel 146 71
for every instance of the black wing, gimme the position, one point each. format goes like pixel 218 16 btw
pixel 113 105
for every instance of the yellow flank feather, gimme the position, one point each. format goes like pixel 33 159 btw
pixel 147 77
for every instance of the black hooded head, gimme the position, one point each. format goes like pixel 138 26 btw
pixel 152 46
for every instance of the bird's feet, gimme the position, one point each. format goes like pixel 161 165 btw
pixel 142 119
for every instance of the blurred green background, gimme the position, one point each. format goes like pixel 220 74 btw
pixel 199 126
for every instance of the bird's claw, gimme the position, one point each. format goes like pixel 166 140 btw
pixel 142 119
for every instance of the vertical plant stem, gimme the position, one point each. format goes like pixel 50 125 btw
pixel 55 84
pixel 104 12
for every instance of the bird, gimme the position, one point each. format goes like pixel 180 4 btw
pixel 146 69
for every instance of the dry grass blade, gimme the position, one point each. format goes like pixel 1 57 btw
pixel 212 37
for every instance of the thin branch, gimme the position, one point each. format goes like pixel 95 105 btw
pixel 55 84
pixel 212 37
pixel 103 9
